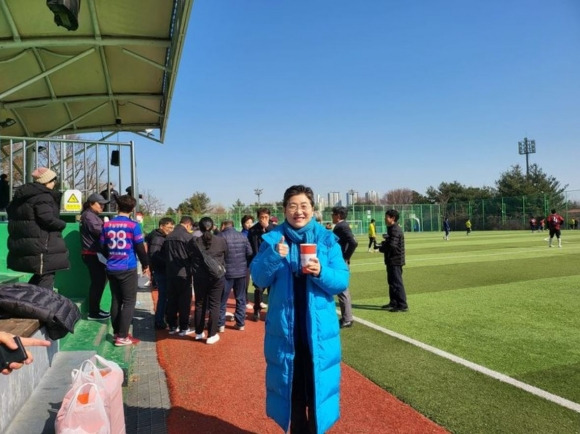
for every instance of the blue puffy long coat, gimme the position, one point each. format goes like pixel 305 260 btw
pixel 269 269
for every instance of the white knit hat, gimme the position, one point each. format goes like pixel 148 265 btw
pixel 43 175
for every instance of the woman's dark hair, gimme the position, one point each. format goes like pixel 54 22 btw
pixel 206 226
pixel 298 189
pixel 246 218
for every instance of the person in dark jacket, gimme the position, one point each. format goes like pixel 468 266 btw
pixel 247 222
pixel 177 254
pixel 348 245
pixel 208 291
pixel 35 243
pixel 393 247
pixel 255 236
pixel 155 240
pixel 4 192
pixel 90 231
pixel 446 229
pixel 110 194
pixel 239 252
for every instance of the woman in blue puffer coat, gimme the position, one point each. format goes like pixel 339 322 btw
pixel 302 343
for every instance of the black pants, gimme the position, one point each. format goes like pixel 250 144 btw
pixel 178 301
pixel 397 295
pixel 98 275
pixel 258 298
pixel 124 295
pixel 302 417
pixel 208 297
pixel 45 280
pixel 372 242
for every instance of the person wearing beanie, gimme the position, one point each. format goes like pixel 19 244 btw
pixel 35 243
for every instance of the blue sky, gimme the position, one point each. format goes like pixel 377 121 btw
pixel 369 95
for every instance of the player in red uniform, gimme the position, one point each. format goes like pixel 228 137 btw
pixel 554 222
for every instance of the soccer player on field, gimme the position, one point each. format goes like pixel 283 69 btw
pixel 554 222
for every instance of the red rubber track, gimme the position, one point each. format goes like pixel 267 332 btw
pixel 220 389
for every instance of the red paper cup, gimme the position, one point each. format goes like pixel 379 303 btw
pixel 307 251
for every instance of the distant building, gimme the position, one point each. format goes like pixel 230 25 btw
pixel 320 202
pixel 334 198
pixel 351 198
pixel 372 196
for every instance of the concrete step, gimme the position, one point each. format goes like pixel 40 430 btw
pixel 98 336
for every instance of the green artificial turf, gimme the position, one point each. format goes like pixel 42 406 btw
pixel 503 300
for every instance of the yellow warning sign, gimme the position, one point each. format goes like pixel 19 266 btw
pixel 72 202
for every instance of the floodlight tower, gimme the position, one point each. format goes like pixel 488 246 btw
pixel 527 147
pixel 258 192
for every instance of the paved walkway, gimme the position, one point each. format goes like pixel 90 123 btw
pixel 147 398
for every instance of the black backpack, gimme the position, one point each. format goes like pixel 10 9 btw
pixel 208 264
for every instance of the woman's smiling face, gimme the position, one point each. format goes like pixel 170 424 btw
pixel 298 211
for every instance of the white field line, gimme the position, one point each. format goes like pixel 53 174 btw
pixel 465 256
pixel 478 368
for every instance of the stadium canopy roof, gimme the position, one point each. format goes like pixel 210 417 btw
pixel 116 72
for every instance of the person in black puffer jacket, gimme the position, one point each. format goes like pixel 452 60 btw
pixel 35 243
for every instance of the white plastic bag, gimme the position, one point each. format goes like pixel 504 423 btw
pixel 83 411
pixel 107 376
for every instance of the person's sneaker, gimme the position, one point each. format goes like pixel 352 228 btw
pixel 388 307
pixel 213 339
pixel 121 342
pixel 239 327
pixel 249 306
pixel 173 330
pixel 263 305
pixel 229 316
pixel 133 339
pixel 104 312
pixel 221 329
pixel 99 317
pixel 256 316
pixel 129 340
pixel 200 336
pixel 345 324
pixel 400 309
pixel 186 332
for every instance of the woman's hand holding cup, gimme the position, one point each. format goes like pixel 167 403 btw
pixel 308 259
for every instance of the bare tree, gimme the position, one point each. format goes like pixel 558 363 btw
pixel 75 163
pixel 151 204
pixel 219 209
pixel 399 196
